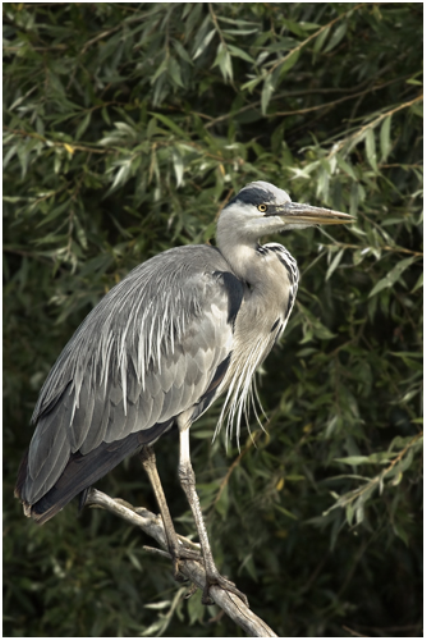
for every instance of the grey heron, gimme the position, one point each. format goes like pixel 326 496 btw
pixel 179 331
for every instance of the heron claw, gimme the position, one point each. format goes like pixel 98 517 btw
pixel 183 554
pixel 217 580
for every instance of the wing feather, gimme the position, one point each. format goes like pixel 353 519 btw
pixel 148 351
pixel 47 453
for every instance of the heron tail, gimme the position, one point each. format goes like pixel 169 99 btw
pixel 82 471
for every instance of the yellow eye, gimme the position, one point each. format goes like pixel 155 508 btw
pixel 262 208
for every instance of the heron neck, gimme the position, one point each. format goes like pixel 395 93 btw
pixel 240 253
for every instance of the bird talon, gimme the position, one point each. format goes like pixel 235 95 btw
pixel 183 554
pixel 188 554
pixel 177 574
pixel 223 583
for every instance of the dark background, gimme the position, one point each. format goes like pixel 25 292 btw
pixel 127 127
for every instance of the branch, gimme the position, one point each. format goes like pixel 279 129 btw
pixel 152 525
pixel 357 137
pixel 69 146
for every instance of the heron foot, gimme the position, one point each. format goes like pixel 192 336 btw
pixel 183 554
pixel 218 580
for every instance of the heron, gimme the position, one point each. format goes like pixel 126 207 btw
pixel 181 329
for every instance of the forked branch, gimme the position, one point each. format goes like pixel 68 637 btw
pixel 152 525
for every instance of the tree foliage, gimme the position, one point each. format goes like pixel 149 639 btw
pixel 126 127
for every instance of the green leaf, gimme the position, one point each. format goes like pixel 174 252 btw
pixel 319 41
pixel 370 147
pixel 334 264
pixel 56 212
pixel 381 457
pixel 392 276
pixel 204 44
pixel 123 174
pixel 337 36
pixel 239 53
pixel 83 126
pixel 349 513
pixel 238 22
pixel 182 52
pixel 385 141
pixel 267 91
pixel 251 84
pixel 353 460
pixel 418 284
pixel 9 155
pixel 346 167
pixel 240 32
pixel 417 109
pixel 170 124
pixel 224 61
pixel 174 71
pixel 285 511
pixel 289 62
pixel 161 68
pixel 178 167
pixel 294 27
pixel 196 609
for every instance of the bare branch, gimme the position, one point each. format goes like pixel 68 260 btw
pixel 152 525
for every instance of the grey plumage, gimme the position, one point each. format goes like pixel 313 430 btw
pixel 183 328
pixel 132 363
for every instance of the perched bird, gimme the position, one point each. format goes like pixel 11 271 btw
pixel 180 330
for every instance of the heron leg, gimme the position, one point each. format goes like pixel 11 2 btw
pixel 147 457
pixel 187 481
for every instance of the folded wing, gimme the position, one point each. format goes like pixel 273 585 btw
pixel 156 345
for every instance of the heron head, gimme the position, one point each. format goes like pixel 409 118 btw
pixel 261 208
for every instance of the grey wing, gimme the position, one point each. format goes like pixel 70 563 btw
pixel 151 349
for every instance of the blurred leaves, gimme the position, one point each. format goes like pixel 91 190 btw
pixel 400 460
pixel 127 126
pixel 393 275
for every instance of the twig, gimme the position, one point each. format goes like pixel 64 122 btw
pixel 396 249
pixel 281 61
pixel 295 94
pixel 373 483
pixel 152 525
pixel 333 103
pixel 358 135
pixel 69 146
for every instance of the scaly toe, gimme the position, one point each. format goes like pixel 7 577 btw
pixel 223 583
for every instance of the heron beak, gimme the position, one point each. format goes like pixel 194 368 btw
pixel 305 213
